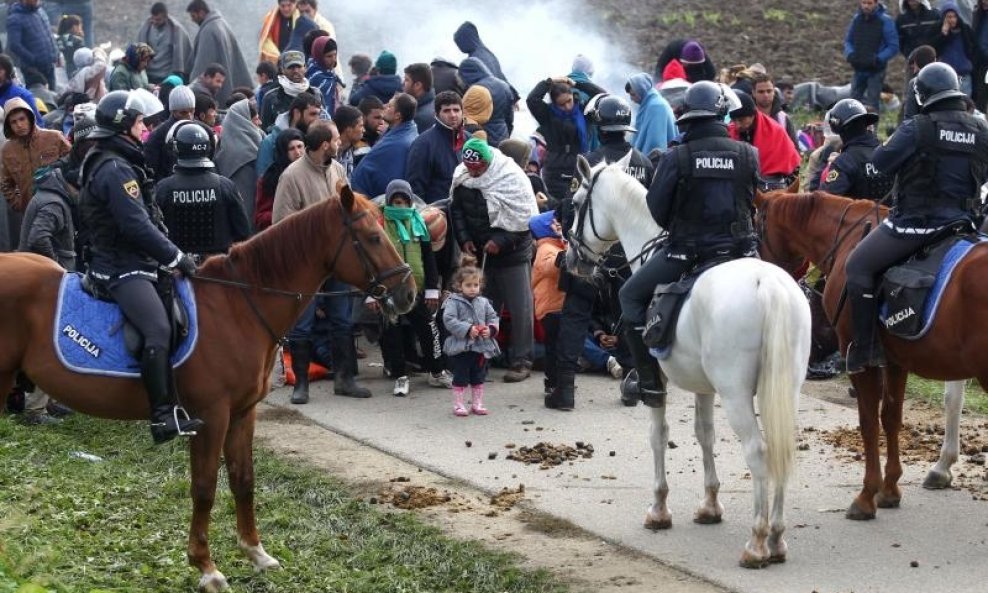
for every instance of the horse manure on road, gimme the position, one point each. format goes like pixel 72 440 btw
pixel 547 455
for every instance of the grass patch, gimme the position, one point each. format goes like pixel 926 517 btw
pixel 975 398
pixel 120 525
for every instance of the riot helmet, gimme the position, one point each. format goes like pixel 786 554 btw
pixel 118 111
pixel 846 111
pixel 613 114
pixel 192 145
pixel 704 99
pixel 936 82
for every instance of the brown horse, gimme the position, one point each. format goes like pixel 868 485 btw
pixel 824 229
pixel 239 326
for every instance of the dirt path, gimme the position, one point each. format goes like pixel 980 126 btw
pixel 584 562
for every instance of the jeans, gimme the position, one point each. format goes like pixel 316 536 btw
pixel 866 86
pixel 337 311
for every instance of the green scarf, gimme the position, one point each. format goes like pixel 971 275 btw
pixel 398 214
pixel 398 219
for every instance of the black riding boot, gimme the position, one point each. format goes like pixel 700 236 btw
pixel 167 420
pixel 563 396
pixel 345 361
pixel 866 347
pixel 301 351
pixel 650 387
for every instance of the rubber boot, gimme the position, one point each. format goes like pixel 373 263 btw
pixel 459 408
pixel 345 360
pixel 865 349
pixel 301 351
pixel 563 396
pixel 650 387
pixel 167 420
pixel 477 400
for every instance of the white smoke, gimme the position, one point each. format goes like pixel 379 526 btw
pixel 532 39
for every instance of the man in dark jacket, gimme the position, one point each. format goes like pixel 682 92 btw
pixel 446 77
pixel 502 121
pixel 467 38
pixel 917 24
pixel 870 43
pixel 435 154
pixel 291 83
pixel 852 173
pixel 29 39
pixel 157 156
pixel 382 85
pixel 418 83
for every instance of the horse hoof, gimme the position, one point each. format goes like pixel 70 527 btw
pixel 259 558
pixel 657 523
pixel 213 582
pixel 707 518
pixel 887 502
pixel 777 559
pixel 856 513
pixel 937 481
pixel 749 560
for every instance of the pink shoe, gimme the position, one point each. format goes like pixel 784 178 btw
pixel 459 408
pixel 477 406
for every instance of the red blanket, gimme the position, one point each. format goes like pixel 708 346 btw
pixel 776 153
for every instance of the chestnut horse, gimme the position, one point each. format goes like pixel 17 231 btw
pixel 264 284
pixel 824 229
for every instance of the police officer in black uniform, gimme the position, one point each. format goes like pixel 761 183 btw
pixel 702 194
pixel 126 244
pixel 852 174
pixel 612 117
pixel 940 160
pixel 203 211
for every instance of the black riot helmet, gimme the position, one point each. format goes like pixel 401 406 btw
pixel 613 114
pixel 192 144
pixel 117 111
pixel 704 99
pixel 936 82
pixel 847 111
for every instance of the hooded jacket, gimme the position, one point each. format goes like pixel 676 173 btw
pixel 655 120
pixel 21 157
pixel 916 28
pixel 467 38
pixel 473 71
pixel 545 274
pixel 49 227
pixel 956 48
pixel 29 37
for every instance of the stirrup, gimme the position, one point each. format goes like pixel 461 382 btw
pixel 178 421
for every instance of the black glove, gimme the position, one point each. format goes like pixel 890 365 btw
pixel 186 265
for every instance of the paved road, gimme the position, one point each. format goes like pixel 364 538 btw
pixel 945 532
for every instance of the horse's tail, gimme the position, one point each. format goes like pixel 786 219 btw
pixel 778 377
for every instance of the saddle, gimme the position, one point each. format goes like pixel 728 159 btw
pixel 911 291
pixel 667 302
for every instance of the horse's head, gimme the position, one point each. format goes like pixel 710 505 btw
pixel 592 232
pixel 371 262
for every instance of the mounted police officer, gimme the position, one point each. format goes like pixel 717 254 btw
pixel 852 174
pixel 126 244
pixel 612 116
pixel 702 194
pixel 203 211
pixel 940 160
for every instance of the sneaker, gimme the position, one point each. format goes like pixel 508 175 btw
pixel 518 373
pixel 615 368
pixel 401 387
pixel 441 379
pixel 39 419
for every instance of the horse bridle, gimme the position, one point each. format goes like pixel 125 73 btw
pixel 377 289
pixel 595 259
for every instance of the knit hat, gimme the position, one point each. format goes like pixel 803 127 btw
pixel 582 63
pixel 692 53
pixel 477 153
pixel 398 187
pixel 82 57
pixel 386 63
pixel 172 80
pixel 181 98
pixel 518 150
pixel 478 105
pixel 673 70
pixel 747 105
pixel 322 46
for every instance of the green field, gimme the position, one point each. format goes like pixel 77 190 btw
pixel 71 525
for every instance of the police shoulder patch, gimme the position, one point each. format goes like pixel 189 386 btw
pixel 832 175
pixel 132 188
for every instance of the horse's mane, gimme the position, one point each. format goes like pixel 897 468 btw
pixel 801 207
pixel 626 184
pixel 270 257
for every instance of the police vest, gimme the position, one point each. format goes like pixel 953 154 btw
pixel 868 183
pixel 713 203
pixel 192 205
pixel 947 141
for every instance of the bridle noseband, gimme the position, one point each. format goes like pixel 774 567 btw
pixel 376 289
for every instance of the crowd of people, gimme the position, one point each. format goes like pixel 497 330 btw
pixel 185 154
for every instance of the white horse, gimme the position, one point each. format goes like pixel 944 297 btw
pixel 744 330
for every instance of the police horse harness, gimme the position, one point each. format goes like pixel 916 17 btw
pixel 274 275
pixel 943 343
pixel 744 330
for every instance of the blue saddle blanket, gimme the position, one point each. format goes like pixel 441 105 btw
pixel 89 333
pixel 947 266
